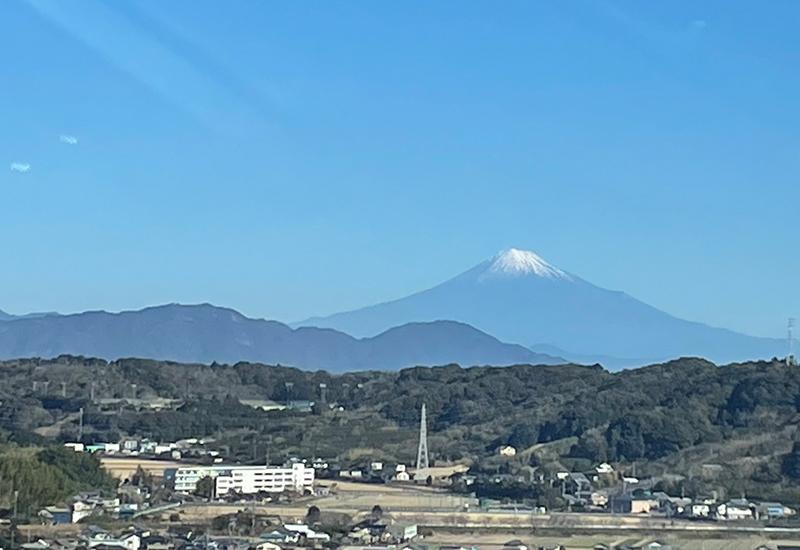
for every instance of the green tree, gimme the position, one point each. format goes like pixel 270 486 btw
pixel 313 515
pixel 205 488
pixel 791 462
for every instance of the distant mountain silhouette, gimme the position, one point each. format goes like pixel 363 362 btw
pixel 7 316
pixel 518 297
pixel 204 333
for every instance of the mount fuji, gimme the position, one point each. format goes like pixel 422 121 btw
pixel 518 297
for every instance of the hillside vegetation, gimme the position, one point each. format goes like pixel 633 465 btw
pixel 672 418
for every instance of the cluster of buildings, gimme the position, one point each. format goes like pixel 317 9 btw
pixel 274 537
pixel 291 535
pixel 143 447
pixel 138 537
pixel 84 505
pixel 370 534
pixel 577 489
pixel 95 538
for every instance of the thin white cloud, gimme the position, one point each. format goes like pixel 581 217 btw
pixel 98 25
pixel 69 140
pixel 20 167
pixel 699 23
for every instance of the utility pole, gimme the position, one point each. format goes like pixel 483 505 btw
pixel 14 517
pixel 80 425
pixel 91 394
pixel 269 448
pixel 63 389
pixel 289 386
pixel 46 385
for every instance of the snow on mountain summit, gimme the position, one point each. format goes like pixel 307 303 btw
pixel 514 263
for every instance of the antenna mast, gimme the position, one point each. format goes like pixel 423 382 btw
pixel 422 452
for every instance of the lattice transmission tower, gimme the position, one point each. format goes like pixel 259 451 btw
pixel 422 452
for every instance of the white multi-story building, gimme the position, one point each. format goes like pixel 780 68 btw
pixel 247 479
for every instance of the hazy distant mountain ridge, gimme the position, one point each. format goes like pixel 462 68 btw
pixel 205 333
pixel 519 297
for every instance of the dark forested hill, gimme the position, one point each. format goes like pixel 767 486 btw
pixel 206 333
pixel 668 418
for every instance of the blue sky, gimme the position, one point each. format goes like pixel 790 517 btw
pixel 298 158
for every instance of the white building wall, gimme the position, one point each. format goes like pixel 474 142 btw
pixel 247 479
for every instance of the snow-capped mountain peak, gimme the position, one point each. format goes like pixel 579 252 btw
pixel 514 263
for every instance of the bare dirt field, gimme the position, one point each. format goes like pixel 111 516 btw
pixel 125 467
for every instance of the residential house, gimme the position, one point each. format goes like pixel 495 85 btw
pixel 64 544
pixel 735 510
pixel 130 445
pixel 363 535
pixel 598 499
pixel 628 504
pixel 507 451
pixel 699 510
pixel 53 515
pixel 262 404
pixel 307 532
pixel 156 542
pixel 93 532
pixel 642 545
pixel 301 405
pixel 579 483
pixel 81 509
pixel 403 532
pixel 279 535
pixel 128 541
pixel 604 468
pixel 773 510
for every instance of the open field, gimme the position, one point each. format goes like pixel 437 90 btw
pixel 351 486
pixel 124 468
pixel 505 523
pixel 495 541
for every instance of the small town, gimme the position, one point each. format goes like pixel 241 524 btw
pixel 399 275
pixel 182 495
